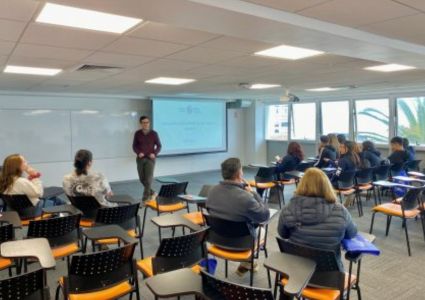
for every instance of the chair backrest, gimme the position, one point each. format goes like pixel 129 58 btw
pixel 381 172
pixel 328 273
pixel 412 165
pixel 6 233
pixel 229 235
pixel 396 169
pixel 180 252
pixel 124 215
pixel 22 205
pixel 205 190
pixel 216 289
pixel 410 199
pixel 346 179
pixel 87 204
pixel 91 272
pixel 168 193
pixel 58 230
pixel 265 174
pixel 364 176
pixel 28 286
pixel 304 166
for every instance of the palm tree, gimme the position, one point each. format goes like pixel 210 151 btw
pixel 373 136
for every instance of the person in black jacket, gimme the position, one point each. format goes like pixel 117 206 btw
pixel 348 162
pixel 370 154
pixel 314 218
pixel 399 155
pixel 327 153
pixel 410 149
pixel 291 160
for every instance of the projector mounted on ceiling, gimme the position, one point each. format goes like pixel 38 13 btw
pixel 288 97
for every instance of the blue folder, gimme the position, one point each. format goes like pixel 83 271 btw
pixel 359 245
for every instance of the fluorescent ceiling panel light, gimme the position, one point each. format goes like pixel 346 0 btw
pixel 260 86
pixel 289 52
pixel 31 70
pixel 389 68
pixel 324 89
pixel 169 80
pixel 85 18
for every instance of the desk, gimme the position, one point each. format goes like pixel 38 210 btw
pixel 174 220
pixel 11 217
pixel 67 208
pixel 108 232
pixel 298 270
pixel 417 174
pixel 38 248
pixel 175 283
pixel 328 170
pixel 295 174
pixel 408 179
pixel 167 180
pixel 123 199
pixel 52 192
pixel 198 200
pixel 255 165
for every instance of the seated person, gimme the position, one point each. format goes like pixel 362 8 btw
pixel 12 181
pixel 341 138
pixel 333 141
pixel 291 160
pixel 349 160
pixel 398 154
pixel 84 182
pixel 234 200
pixel 410 149
pixel 327 153
pixel 371 154
pixel 314 218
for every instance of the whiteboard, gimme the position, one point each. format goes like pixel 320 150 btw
pixel 105 134
pixel 39 135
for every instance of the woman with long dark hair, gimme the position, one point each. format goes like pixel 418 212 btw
pixel 294 155
pixel 85 182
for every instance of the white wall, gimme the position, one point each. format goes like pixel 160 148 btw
pixel 124 168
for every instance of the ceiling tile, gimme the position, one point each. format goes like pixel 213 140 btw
pixel 236 44
pixel 418 4
pixel 249 62
pixel 40 62
pixel 114 59
pixel 60 36
pixel 357 13
pixel 288 5
pixel 11 30
pixel 37 51
pixel 137 46
pixel 205 55
pixel 20 10
pixel 6 47
pixel 167 33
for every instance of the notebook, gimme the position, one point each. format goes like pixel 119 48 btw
pixel 358 245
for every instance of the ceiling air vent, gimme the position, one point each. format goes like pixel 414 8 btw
pixel 85 68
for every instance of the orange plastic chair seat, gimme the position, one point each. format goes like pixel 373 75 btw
pixel 313 293
pixel 86 223
pixel 165 208
pixel 113 292
pixel 230 255
pixel 5 263
pixel 394 209
pixel 345 192
pixel 261 185
pixel 66 250
pixel 145 266
pixel 26 222
pixel 365 187
pixel 287 182
pixel 195 217
pixel 130 232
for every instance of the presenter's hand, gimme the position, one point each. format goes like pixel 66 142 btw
pixel 141 155
pixel 152 156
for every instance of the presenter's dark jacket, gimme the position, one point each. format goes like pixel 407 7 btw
pixel 146 143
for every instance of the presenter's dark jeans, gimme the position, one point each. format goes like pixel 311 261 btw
pixel 145 168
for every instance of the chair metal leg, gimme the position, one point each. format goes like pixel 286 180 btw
pixel 389 218
pixel 57 292
pixel 144 221
pixel 407 237
pixel 251 273
pixel 350 272
pixel 371 222
pixel 159 234
pixel 269 280
pixel 359 293
pixel 226 265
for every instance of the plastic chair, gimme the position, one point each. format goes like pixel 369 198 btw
pixel 396 169
pixel 28 286
pixel 23 206
pixel 175 253
pixel 232 241
pixel 408 208
pixel 264 181
pixel 329 281
pixel 166 201
pixel 363 183
pixel 88 205
pixel 216 289
pixel 109 274
pixel 7 233
pixel 345 184
pixel 197 216
pixel 412 165
pixel 63 234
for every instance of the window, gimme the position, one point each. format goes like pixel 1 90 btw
pixel 336 117
pixel 303 121
pixel 411 119
pixel 372 120
pixel 277 122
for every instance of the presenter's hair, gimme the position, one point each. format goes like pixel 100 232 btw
pixel 82 160
pixel 230 168
pixel 142 118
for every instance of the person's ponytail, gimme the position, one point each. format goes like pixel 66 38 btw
pixel 81 161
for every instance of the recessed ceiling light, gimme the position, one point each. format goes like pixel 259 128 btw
pixel 84 18
pixel 323 89
pixel 289 52
pixel 31 70
pixel 389 68
pixel 259 86
pixel 169 80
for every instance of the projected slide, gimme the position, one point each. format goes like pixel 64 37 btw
pixel 190 126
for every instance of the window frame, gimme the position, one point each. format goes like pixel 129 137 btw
pixel 396 115
pixel 321 132
pixel 291 122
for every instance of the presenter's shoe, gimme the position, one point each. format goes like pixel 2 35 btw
pixel 245 267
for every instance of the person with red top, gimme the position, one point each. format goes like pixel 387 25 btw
pixel 146 145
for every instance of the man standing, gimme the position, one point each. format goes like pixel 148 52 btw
pixel 146 145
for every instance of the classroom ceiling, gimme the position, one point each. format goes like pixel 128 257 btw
pixel 214 41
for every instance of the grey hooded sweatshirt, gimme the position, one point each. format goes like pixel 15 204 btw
pixel 315 222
